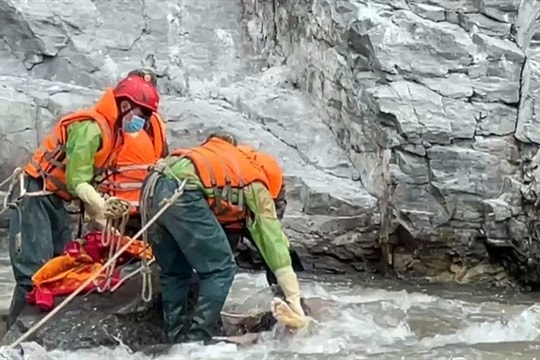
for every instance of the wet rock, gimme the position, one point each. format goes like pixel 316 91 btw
pixel 95 320
pixel 25 351
pixel 109 319
pixel 447 87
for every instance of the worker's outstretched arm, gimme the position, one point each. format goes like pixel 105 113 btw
pixel 267 232
pixel 83 142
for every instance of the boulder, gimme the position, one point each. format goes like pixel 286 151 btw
pixel 108 319
pixel 406 129
pixel 25 351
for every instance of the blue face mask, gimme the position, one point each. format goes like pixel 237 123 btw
pixel 134 125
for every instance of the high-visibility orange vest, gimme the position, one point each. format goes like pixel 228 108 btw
pixel 221 167
pixel 124 178
pixel 49 160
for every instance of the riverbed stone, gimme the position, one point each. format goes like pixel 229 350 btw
pixel 401 123
pixel 122 317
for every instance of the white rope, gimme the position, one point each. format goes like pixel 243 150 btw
pixel 13 175
pixel 132 274
pixel 113 230
pixel 144 269
pixel 146 194
pixel 167 203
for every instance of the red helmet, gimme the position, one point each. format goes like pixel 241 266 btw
pixel 139 91
pixel 146 73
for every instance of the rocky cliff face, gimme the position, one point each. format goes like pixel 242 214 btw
pixel 418 134
pixel 57 56
pixel 436 104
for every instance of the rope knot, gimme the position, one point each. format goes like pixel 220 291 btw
pixel 160 166
pixel 116 208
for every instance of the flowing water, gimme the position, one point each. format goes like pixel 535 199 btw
pixel 382 321
pixel 378 319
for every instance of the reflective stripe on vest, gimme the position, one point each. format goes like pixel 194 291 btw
pixel 136 184
pixel 125 178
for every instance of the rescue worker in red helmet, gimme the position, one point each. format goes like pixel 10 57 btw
pixel 63 168
pixel 142 145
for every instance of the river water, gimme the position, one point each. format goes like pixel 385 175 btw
pixel 377 319
pixel 382 320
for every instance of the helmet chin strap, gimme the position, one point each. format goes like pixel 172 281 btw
pixel 122 114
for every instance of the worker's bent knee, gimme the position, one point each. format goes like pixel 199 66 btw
pixel 218 283
pixel 229 268
pixel 228 272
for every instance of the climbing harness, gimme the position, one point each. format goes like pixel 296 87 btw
pixel 18 178
pixel 164 206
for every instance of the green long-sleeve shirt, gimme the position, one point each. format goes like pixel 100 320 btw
pixel 264 226
pixel 83 142
pixel 84 139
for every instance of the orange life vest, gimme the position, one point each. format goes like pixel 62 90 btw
pixel 125 177
pixel 49 160
pixel 269 165
pixel 221 167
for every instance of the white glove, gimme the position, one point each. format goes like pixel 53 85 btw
pixel 94 203
pixel 287 280
pixel 290 313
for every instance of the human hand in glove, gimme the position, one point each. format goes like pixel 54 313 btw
pixel 289 313
pixel 283 313
pixel 99 209
pixel 93 201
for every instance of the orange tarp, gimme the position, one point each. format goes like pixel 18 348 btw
pixel 63 274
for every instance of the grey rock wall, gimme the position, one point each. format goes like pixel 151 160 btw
pixel 436 104
pixel 57 56
pixel 407 129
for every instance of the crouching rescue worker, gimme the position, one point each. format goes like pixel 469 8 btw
pixel 79 146
pixel 222 184
pixel 276 187
pixel 143 142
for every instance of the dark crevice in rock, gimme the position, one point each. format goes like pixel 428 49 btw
pixel 468 145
